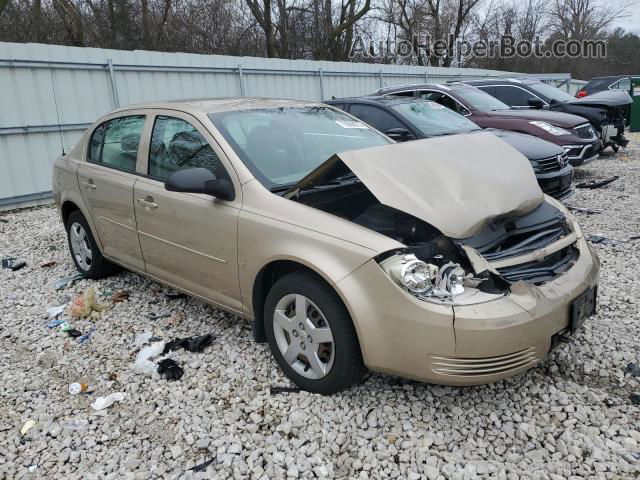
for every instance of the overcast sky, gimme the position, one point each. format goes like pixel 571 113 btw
pixel 632 22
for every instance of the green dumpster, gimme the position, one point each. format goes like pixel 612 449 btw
pixel 635 106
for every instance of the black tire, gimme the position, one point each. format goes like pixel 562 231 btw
pixel 99 267
pixel 348 367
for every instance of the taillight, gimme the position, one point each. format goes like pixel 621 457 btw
pixel 581 93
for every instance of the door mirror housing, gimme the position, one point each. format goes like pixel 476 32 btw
pixel 399 134
pixel 535 103
pixel 200 180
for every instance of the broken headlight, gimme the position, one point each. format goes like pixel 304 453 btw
pixel 425 280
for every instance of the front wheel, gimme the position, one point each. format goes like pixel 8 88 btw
pixel 311 334
pixel 84 251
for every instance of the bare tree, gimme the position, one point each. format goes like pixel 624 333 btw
pixel 582 19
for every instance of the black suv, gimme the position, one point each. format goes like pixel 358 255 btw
pixel 403 118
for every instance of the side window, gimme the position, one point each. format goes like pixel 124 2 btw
pixel 410 93
pixel 624 84
pixel 176 145
pixel 95 144
pixel 445 101
pixel 376 117
pixel 512 96
pixel 115 143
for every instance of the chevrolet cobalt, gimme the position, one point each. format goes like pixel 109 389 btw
pixel 348 251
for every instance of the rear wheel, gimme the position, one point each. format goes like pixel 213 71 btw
pixel 84 251
pixel 311 334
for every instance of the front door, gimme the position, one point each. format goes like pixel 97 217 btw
pixel 106 181
pixel 188 240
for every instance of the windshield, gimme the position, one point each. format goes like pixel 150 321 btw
pixel 434 119
pixel 479 100
pixel 552 93
pixel 282 145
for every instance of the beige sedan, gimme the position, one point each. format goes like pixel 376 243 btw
pixel 438 260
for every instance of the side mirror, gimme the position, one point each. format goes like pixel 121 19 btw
pixel 200 180
pixel 399 134
pixel 535 103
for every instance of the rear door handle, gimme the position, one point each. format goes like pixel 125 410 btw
pixel 147 202
pixel 89 185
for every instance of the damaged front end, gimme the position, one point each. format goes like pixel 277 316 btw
pixel 606 111
pixel 467 235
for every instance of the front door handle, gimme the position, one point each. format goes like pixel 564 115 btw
pixel 147 202
pixel 89 185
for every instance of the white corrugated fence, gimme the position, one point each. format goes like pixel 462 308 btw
pixel 49 94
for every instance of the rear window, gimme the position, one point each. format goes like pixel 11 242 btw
pixel 479 100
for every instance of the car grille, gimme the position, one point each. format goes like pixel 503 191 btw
pixel 552 164
pixel 538 272
pixel 585 131
pixel 479 367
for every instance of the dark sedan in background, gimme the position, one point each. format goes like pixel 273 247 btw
pixel 574 134
pixel 607 111
pixel 409 119
pixel 601 84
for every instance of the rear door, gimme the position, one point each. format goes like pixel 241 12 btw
pixel 106 181
pixel 188 240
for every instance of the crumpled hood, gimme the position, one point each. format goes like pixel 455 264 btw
pixel 456 183
pixel 606 98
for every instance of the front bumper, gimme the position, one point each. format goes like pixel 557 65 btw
pixel 581 154
pixel 557 184
pixel 404 336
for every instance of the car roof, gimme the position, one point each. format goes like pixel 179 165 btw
pixel 219 104
pixel 374 100
pixel 432 86
pixel 503 80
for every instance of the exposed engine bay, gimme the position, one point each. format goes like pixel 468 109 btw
pixel 606 111
pixel 436 268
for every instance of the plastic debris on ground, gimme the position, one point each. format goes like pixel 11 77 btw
pixel 13 264
pixel 588 211
pixel 174 294
pixel 192 344
pixel 86 336
pixel 276 390
pixel 170 369
pixel 65 326
pixel 156 316
pixel 635 398
pixel 68 281
pixel 29 424
pixel 78 388
pixel 143 364
pixel 632 369
pixel 202 466
pixel 142 338
pixel 101 403
pixel 48 264
pixel 597 184
pixel 119 297
pixel 72 332
pixel 599 239
pixel 55 322
pixel 53 312
pixel 85 305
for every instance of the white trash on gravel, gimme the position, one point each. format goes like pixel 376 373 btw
pixel 572 418
pixel 101 403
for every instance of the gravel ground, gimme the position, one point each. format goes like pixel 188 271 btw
pixel 571 418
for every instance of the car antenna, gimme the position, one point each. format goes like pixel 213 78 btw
pixel 55 103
